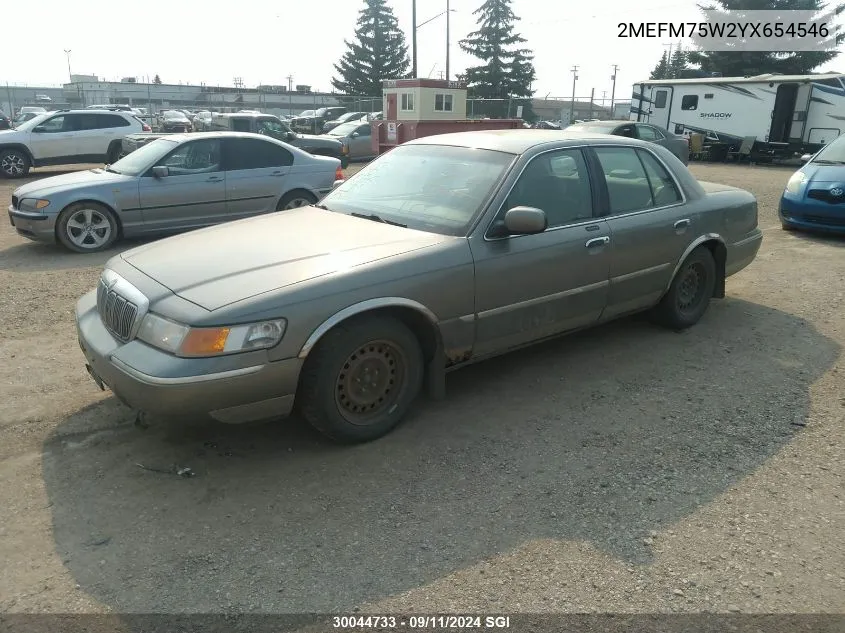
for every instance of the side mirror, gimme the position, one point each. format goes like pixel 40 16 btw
pixel 806 157
pixel 525 221
pixel 354 135
pixel 290 135
pixel 160 171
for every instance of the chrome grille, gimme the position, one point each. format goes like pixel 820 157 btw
pixel 117 314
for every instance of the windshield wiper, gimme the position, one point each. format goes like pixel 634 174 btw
pixel 378 218
pixel 321 206
pixel 824 161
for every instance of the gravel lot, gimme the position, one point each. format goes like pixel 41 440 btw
pixel 626 469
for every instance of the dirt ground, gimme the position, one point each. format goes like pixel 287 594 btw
pixel 627 469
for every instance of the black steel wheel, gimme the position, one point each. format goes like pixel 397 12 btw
pixel 690 292
pixel 361 379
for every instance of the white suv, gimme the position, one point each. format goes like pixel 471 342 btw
pixel 65 137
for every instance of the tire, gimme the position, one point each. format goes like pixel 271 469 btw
pixel 690 292
pixel 14 163
pixel 113 155
pixel 87 227
pixel 344 161
pixel 295 199
pixel 786 227
pixel 378 349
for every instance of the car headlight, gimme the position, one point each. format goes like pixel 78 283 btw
pixel 33 204
pixel 795 183
pixel 183 340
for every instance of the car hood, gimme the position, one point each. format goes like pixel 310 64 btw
pixel 824 173
pixel 54 184
pixel 221 265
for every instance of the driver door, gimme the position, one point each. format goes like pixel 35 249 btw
pixel 192 195
pixel 532 286
pixel 55 139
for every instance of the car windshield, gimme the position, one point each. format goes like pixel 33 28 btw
pixel 434 188
pixel 173 115
pixel 345 129
pixel 28 125
pixel 272 127
pixel 143 158
pixel 596 129
pixel 832 152
pixel 307 113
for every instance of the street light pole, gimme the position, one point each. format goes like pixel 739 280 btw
pixel 69 74
pixel 613 89
pixel 414 38
pixel 574 72
pixel 448 38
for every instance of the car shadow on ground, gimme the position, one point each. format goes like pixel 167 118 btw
pixel 37 257
pixel 602 437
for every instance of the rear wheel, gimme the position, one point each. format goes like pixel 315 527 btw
pixel 87 227
pixel 14 163
pixel 690 292
pixel 296 199
pixel 361 379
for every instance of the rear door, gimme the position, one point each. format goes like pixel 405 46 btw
pixel 92 138
pixel 111 128
pixel 256 174
pixel 194 192
pixel 650 227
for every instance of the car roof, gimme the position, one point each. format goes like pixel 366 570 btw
pixel 226 134
pixel 519 141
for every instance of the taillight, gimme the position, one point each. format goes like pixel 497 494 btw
pixel 146 128
pixel 338 173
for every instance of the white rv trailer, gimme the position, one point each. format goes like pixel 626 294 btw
pixel 785 113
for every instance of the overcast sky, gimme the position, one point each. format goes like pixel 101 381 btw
pixel 264 41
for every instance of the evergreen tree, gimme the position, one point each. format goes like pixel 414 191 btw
pixel 661 71
pixel 749 63
pixel 678 63
pixel 156 79
pixel 508 69
pixel 379 52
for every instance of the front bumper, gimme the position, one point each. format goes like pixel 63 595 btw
pixel 35 226
pixel 812 216
pixel 233 389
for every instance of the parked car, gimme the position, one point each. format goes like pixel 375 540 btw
pixel 814 197
pixel 202 121
pixel 313 124
pixel 678 145
pixel 5 122
pixel 173 184
pixel 343 118
pixel 446 250
pixel 35 109
pixel 65 137
pixel 357 137
pixel 175 121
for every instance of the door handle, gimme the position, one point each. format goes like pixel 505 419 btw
pixel 214 179
pixel 277 173
pixel 598 241
pixel 682 224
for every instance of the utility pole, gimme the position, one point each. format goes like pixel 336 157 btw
pixel 613 89
pixel 69 74
pixel 574 72
pixel 414 38
pixel 448 37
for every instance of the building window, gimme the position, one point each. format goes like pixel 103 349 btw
pixel 443 103
pixel 407 102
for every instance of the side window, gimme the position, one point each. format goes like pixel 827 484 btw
pixel 241 125
pixel 243 153
pixel 105 121
pixel 195 157
pixel 663 189
pixel 627 183
pixel 364 130
pixel 660 99
pixel 646 133
pixel 689 102
pixel 559 184
pixel 625 130
pixel 56 124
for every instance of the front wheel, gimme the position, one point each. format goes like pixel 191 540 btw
pixel 14 163
pixel 87 227
pixel 690 292
pixel 361 379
